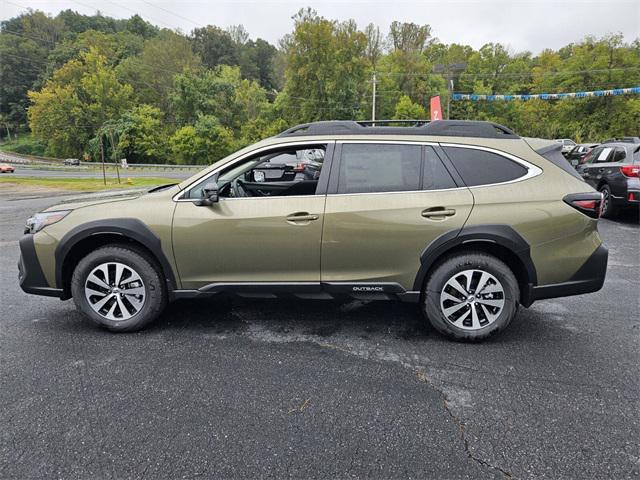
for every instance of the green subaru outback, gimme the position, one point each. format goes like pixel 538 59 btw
pixel 466 219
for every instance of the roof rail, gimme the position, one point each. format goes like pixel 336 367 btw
pixel 447 128
pixel 622 140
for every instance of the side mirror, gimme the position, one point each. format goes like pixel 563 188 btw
pixel 210 191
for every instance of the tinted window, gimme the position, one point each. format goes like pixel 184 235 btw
pixel 371 167
pixel 619 155
pixel 434 175
pixel 603 155
pixel 478 167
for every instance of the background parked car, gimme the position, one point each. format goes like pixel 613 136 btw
pixel 578 152
pixel 567 144
pixel 614 170
pixel 4 168
pixel 623 140
pixel 71 161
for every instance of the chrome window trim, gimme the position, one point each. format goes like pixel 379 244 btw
pixel 176 197
pixel 532 170
pixel 396 191
pixel 393 142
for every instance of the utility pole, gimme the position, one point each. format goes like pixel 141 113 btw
pixel 450 88
pixel 104 174
pixel 373 99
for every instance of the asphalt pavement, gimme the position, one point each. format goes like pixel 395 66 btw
pixel 320 389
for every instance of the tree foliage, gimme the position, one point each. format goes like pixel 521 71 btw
pixel 75 102
pixel 162 96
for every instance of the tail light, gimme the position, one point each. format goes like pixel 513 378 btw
pixel 630 171
pixel 588 203
pixel 299 167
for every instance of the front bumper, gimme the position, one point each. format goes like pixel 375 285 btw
pixel 30 275
pixel 589 278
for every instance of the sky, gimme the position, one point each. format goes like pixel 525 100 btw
pixel 520 25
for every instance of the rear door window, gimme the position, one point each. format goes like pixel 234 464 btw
pixel 379 167
pixel 619 155
pixel 369 167
pixel 604 155
pixel 480 167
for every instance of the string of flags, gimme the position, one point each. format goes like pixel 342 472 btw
pixel 547 96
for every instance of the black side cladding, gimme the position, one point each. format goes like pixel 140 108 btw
pixel 126 227
pixel 30 275
pixel 502 235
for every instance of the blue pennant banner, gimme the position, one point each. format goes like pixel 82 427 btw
pixel 547 96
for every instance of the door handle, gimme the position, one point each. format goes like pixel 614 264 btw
pixel 302 217
pixel 438 212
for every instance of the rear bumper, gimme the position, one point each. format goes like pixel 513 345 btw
pixel 30 275
pixel 589 278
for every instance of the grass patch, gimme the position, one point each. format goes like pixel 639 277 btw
pixel 84 184
pixel 25 144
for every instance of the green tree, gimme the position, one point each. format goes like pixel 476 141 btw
pixel 25 42
pixel 222 93
pixel 79 98
pixel 142 137
pixel 152 71
pixel 203 143
pixel 407 110
pixel 316 91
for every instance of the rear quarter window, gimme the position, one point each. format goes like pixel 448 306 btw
pixel 479 167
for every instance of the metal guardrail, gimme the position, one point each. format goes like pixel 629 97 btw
pixel 20 159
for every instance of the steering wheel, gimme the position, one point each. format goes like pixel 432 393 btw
pixel 238 189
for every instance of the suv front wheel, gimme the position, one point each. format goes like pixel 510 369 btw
pixel 471 296
pixel 119 288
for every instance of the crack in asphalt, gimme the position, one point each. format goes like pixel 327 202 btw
pixel 423 377
pixel 260 334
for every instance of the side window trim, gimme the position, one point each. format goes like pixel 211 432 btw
pixel 332 187
pixel 335 178
pixel 329 145
pixel 448 165
pixel 532 170
pixel 337 160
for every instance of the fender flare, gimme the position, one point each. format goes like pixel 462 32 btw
pixel 127 228
pixel 502 235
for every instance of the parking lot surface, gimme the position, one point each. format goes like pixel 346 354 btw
pixel 319 389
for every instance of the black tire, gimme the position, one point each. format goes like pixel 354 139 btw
pixel 445 270
pixel 609 210
pixel 154 288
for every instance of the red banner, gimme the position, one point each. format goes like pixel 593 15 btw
pixel 436 111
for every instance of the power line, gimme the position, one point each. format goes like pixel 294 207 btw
pixel 172 13
pixel 136 13
pixel 508 74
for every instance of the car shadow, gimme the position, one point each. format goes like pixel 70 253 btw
pixel 319 319
pixel 628 217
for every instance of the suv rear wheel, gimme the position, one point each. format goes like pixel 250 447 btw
pixel 608 208
pixel 471 296
pixel 119 288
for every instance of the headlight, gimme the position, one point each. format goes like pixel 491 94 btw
pixel 41 220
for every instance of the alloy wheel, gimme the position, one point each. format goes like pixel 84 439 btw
pixel 472 299
pixel 115 291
